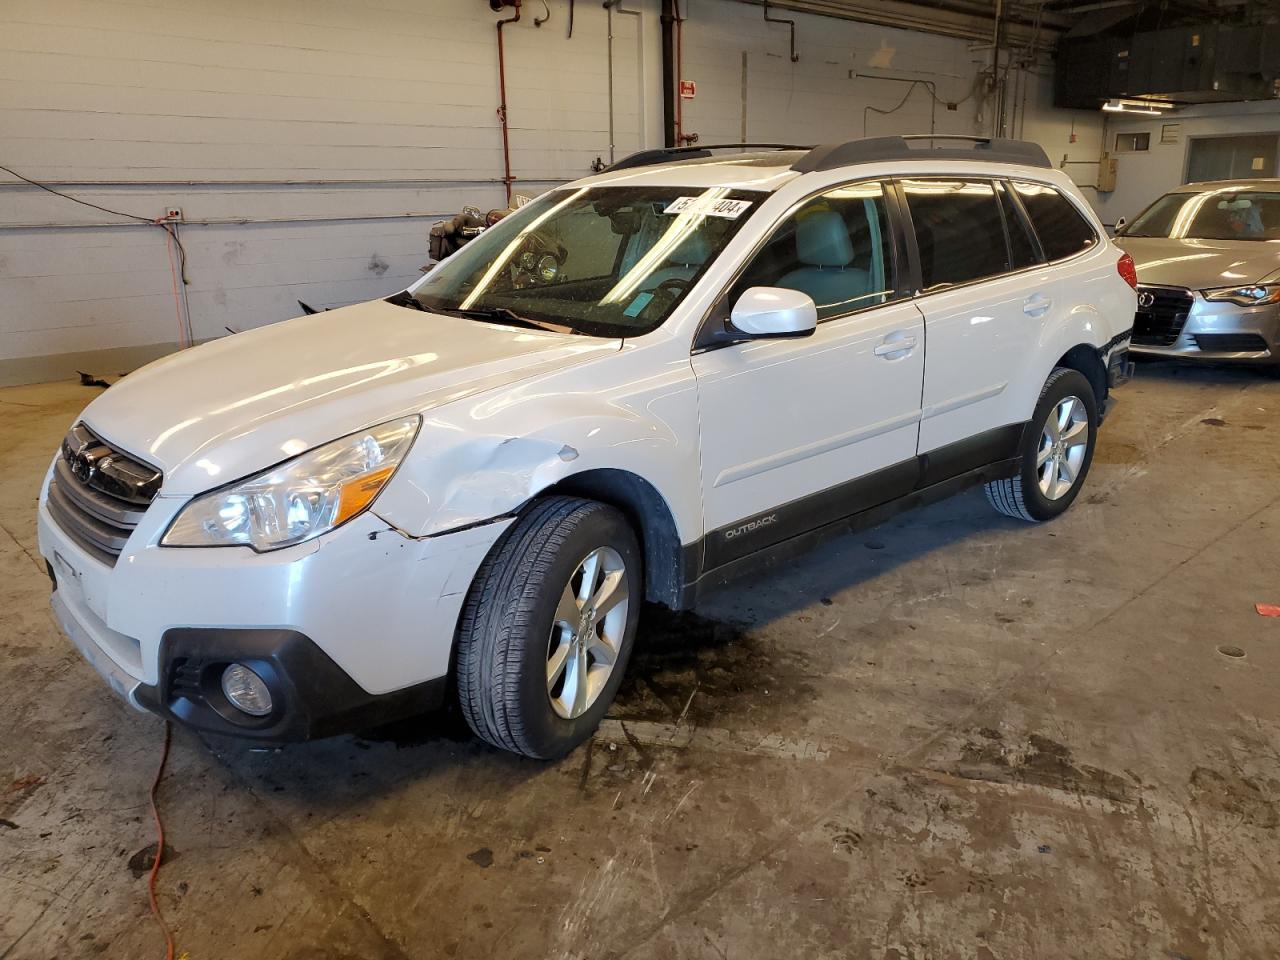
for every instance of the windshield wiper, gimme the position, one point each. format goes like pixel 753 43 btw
pixel 406 299
pixel 507 317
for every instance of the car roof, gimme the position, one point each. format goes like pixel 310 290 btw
pixel 768 171
pixel 1204 186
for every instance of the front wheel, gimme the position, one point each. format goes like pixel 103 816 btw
pixel 548 627
pixel 1057 450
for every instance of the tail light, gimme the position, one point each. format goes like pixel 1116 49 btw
pixel 1126 268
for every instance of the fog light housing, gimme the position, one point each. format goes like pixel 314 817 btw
pixel 246 691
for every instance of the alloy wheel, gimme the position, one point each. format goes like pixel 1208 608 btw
pixel 1063 445
pixel 587 633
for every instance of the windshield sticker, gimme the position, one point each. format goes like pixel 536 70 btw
pixel 729 209
pixel 639 303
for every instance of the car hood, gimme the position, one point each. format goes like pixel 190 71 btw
pixel 1200 264
pixel 226 409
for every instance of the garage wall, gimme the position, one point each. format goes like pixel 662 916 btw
pixel 310 146
pixel 746 80
pixel 311 143
pixel 1142 177
pixel 1071 138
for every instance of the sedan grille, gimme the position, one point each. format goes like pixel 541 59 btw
pixel 1162 312
pixel 97 494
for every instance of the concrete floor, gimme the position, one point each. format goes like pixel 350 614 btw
pixel 956 736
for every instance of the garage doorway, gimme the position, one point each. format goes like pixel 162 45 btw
pixel 1232 158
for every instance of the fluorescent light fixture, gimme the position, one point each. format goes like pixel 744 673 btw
pixel 1150 108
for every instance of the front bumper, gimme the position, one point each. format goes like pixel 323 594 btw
pixel 353 628
pixel 1215 330
pixel 311 696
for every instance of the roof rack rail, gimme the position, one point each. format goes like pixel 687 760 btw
pixel 646 158
pixel 872 149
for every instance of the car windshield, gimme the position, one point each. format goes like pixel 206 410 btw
pixel 603 261
pixel 1213 215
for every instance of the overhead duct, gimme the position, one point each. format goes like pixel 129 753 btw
pixel 1196 64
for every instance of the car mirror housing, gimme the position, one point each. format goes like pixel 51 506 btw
pixel 774 312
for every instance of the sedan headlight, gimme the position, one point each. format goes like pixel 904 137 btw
pixel 1250 296
pixel 298 499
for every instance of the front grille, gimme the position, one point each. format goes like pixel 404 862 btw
pixel 97 494
pixel 1231 342
pixel 1159 321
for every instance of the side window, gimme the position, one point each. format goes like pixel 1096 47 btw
pixel 959 230
pixel 837 248
pixel 1022 245
pixel 1063 232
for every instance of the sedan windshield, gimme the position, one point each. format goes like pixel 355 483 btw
pixel 604 261
pixel 1214 215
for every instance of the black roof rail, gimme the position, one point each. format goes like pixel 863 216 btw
pixel 873 149
pixel 647 158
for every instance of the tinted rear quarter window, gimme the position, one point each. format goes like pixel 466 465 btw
pixel 959 230
pixel 1062 230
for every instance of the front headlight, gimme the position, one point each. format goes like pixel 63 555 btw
pixel 298 499
pixel 1251 296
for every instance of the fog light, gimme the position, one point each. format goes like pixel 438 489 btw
pixel 246 690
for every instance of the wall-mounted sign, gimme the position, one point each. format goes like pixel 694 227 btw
pixel 688 89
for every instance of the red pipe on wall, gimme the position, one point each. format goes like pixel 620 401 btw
pixel 502 107
pixel 679 75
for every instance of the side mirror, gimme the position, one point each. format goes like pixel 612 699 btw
pixel 1120 222
pixel 774 312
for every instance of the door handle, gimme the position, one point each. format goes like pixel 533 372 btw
pixel 1036 305
pixel 895 348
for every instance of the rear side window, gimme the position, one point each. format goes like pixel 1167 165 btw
pixel 1022 245
pixel 835 247
pixel 959 230
pixel 1063 232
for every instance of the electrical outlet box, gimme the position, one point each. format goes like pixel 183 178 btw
pixel 1107 173
pixel 173 213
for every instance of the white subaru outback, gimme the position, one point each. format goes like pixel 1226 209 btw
pixel 635 387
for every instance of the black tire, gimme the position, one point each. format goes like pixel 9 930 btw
pixel 1020 496
pixel 506 625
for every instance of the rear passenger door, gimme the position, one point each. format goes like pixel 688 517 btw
pixel 985 295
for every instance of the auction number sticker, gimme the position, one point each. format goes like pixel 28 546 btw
pixel 729 209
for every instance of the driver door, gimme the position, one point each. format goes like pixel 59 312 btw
pixel 797 433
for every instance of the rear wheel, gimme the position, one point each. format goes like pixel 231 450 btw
pixel 548 627
pixel 1057 450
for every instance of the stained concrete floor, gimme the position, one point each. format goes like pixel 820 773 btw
pixel 955 736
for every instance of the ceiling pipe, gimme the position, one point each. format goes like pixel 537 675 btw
pixel 955 18
pixel 507 178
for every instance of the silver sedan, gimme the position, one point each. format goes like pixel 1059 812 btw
pixel 1208 259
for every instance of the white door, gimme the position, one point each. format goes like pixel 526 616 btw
pixel 985 301
pixel 797 433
